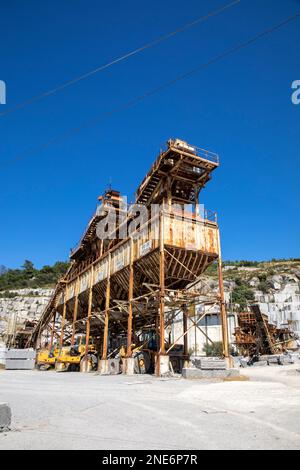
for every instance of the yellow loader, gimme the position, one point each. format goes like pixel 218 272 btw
pixel 72 358
pixel 46 358
pixel 144 353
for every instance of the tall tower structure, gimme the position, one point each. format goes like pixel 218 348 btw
pixel 122 286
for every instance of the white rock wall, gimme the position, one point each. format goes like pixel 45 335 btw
pixel 282 305
pixel 27 305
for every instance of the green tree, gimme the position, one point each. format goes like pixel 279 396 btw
pixel 28 266
pixel 242 294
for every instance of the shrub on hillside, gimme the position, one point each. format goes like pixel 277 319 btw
pixel 30 277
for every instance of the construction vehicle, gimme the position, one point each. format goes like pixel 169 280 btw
pixel 46 358
pixel 145 351
pixel 72 358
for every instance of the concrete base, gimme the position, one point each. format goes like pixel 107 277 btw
pixel 194 373
pixel 5 417
pixel 114 366
pixel 20 359
pixel 162 366
pixel 85 366
pixel 229 362
pixel 128 366
pixel 103 367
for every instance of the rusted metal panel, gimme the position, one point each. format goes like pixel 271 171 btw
pixel 71 290
pixel 101 270
pixel 191 235
pixel 84 281
pixel 120 257
pixel 59 300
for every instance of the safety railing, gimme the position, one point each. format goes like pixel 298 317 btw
pixel 176 144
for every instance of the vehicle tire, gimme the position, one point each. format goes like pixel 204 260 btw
pixel 94 361
pixel 176 364
pixel 61 367
pixel 43 367
pixel 90 364
pixel 142 362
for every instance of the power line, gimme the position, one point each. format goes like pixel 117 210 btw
pixel 153 43
pixel 138 99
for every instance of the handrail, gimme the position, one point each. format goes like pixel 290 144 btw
pixel 198 152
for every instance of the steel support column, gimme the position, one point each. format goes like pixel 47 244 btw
pixel 90 304
pixel 107 305
pixel 75 312
pixel 63 320
pixel 185 327
pixel 222 304
pixel 130 298
pixel 162 349
pixel 52 332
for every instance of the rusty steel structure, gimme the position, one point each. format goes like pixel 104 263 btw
pixel 122 285
pixel 255 335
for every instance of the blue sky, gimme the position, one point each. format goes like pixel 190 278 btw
pixel 240 108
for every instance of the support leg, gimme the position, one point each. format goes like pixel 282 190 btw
pixel 52 332
pixel 85 362
pixel 103 363
pixel 130 297
pixel 75 312
pixel 185 338
pixel 162 363
pixel 63 320
pixel 224 322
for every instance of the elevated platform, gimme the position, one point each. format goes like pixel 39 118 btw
pixel 187 165
pixel 190 245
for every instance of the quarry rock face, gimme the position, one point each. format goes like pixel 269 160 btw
pixel 254 282
pixel 27 304
pixel 282 305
